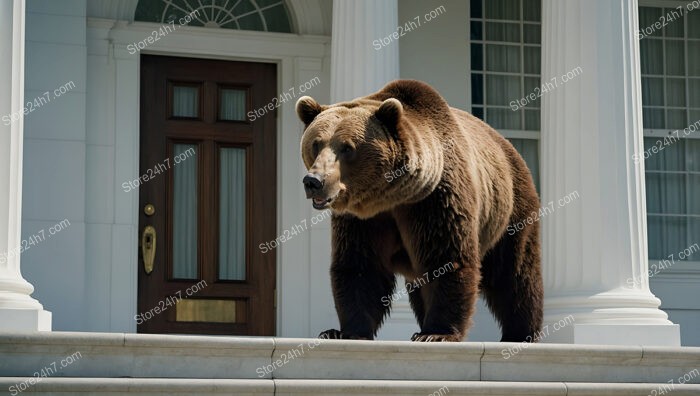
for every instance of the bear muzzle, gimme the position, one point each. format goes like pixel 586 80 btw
pixel 313 186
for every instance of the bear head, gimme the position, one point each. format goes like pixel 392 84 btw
pixel 363 156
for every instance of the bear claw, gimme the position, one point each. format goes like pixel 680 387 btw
pixel 423 337
pixel 333 334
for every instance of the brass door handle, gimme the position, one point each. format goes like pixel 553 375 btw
pixel 148 248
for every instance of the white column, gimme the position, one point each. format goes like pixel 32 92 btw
pixel 18 310
pixel 357 68
pixel 591 127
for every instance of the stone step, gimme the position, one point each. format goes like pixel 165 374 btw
pixel 281 387
pixel 113 355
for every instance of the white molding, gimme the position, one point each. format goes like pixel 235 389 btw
pixel 664 3
pixel 517 134
pixel 662 133
pixel 306 16
pixel 690 268
pixel 217 43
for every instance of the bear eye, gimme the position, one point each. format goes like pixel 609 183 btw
pixel 346 149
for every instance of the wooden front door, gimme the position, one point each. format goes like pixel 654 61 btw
pixel 207 197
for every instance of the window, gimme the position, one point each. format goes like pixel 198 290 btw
pixel 670 65
pixel 261 15
pixel 505 67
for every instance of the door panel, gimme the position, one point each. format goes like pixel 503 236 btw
pixel 209 174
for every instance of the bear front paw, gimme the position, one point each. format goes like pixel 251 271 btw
pixel 425 337
pixel 333 334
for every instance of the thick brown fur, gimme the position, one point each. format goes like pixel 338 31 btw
pixel 458 186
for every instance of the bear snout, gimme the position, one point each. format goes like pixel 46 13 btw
pixel 313 184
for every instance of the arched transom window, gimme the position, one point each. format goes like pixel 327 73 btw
pixel 261 15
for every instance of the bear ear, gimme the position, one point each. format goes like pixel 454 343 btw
pixel 307 109
pixel 389 113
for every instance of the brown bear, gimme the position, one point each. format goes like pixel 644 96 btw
pixel 427 191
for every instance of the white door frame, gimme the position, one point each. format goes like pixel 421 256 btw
pixel 298 58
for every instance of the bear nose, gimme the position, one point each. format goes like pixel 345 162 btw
pixel 312 184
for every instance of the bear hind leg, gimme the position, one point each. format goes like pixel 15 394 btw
pixel 512 285
pixel 417 305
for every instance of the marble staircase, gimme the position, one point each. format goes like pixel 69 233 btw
pixel 113 363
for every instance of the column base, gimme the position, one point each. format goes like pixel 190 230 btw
pixel 24 320
pixel 616 334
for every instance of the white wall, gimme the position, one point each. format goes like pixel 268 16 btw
pixel 678 288
pixel 112 158
pixel 437 52
pixel 54 158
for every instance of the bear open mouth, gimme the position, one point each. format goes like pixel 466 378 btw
pixel 321 203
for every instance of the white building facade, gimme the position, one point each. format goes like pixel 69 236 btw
pixel 605 92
